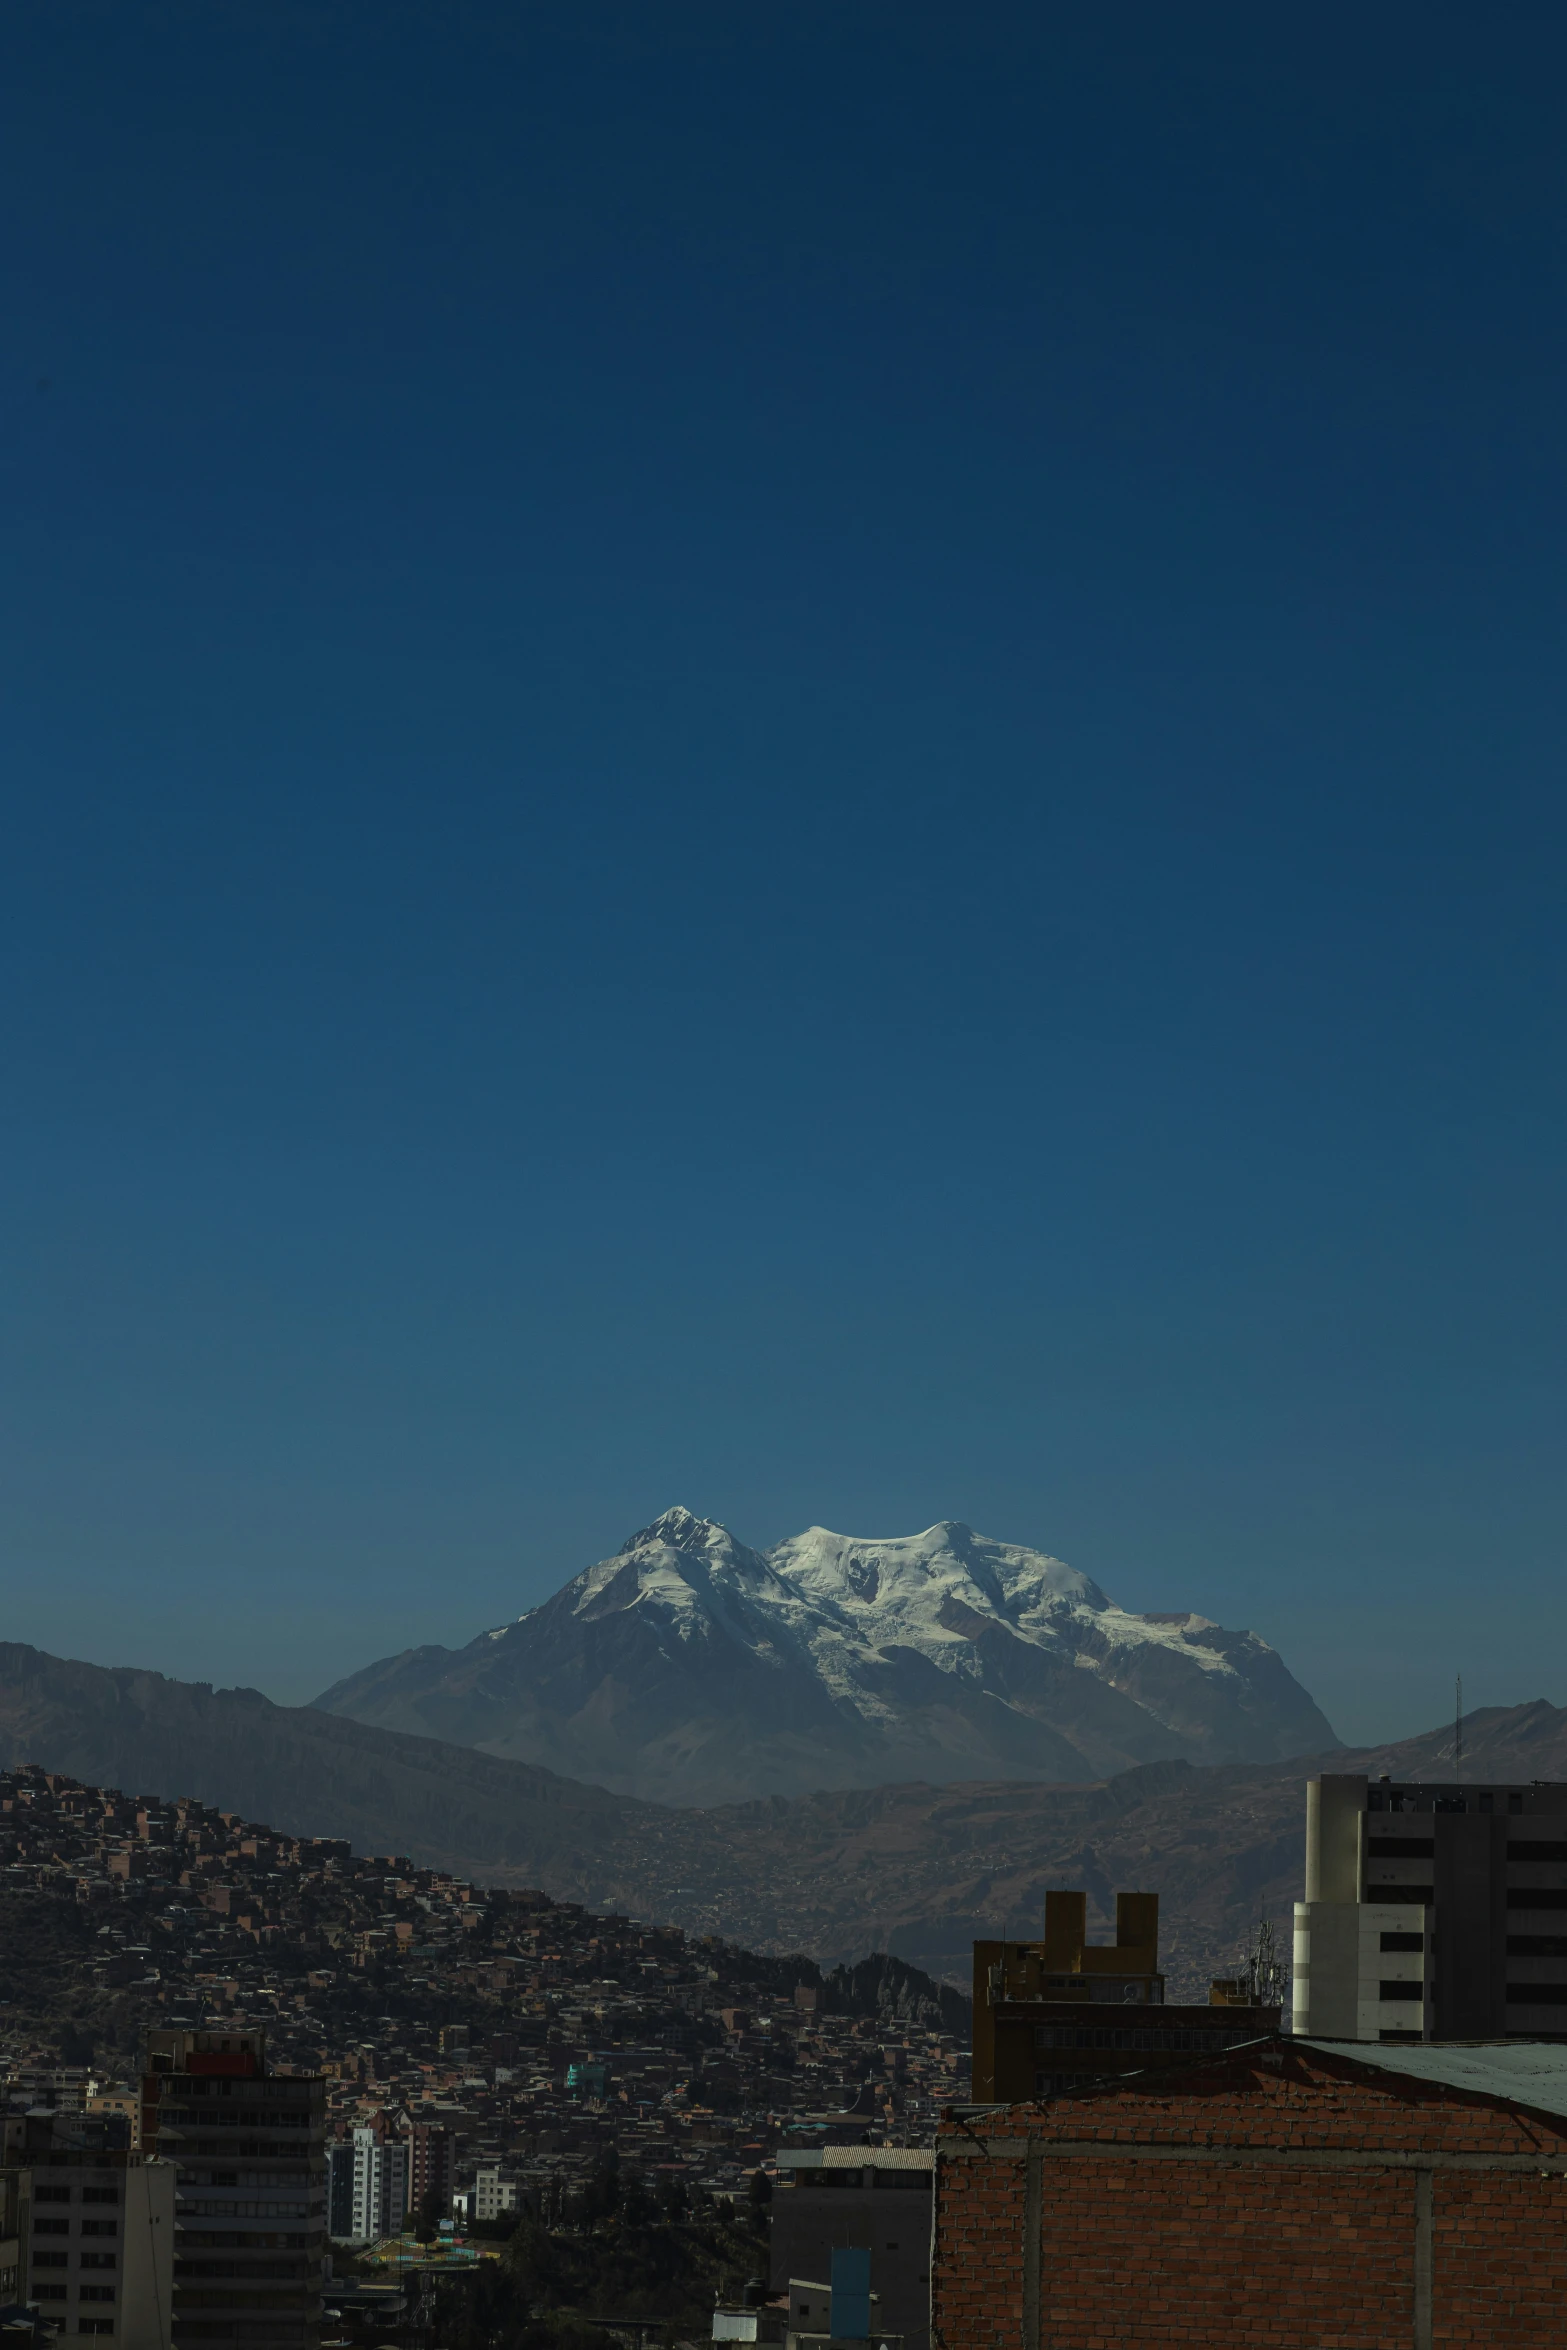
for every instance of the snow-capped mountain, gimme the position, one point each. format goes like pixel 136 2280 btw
pixel 691 1669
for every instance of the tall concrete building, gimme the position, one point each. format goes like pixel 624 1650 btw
pixel 1433 1911
pixel 250 2151
pixel 379 2194
pixel 430 2168
pixel 87 2231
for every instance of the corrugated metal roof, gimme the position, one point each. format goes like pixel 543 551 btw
pixel 1530 2072
pixel 855 2158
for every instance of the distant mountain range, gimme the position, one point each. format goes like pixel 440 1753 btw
pixel 914 1868
pixel 691 1669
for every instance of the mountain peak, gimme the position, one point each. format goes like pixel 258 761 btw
pixel 680 1528
pixel 689 1667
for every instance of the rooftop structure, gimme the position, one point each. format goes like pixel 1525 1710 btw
pixel 1050 2013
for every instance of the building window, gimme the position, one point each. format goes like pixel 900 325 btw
pixel 1535 1850
pixel 95 2292
pixel 1403 1990
pixel 96 2325
pixel 1400 1847
pixel 1537 1994
pixel 1410 1942
pixel 1515 1803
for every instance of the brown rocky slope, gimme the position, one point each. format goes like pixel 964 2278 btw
pixel 913 1868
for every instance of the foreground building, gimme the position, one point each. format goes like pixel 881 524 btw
pixel 1049 2014
pixel 1433 1911
pixel 250 2151
pixel 1283 2193
pixel 87 2231
pixel 874 2199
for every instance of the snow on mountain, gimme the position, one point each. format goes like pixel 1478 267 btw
pixel 691 1668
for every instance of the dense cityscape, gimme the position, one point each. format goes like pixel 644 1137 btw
pixel 537 2034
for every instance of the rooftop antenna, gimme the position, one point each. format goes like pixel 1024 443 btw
pixel 1458 1730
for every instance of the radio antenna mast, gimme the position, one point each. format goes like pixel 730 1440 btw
pixel 1458 1730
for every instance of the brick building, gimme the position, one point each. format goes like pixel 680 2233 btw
pixel 1284 2194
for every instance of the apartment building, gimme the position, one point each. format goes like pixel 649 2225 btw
pixel 430 2150
pixel 1433 1911
pixel 249 2147
pixel 494 2196
pixel 378 2194
pixel 87 2231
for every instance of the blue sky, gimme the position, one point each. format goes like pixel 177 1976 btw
pixel 805 759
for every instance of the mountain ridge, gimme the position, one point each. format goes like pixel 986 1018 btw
pixel 688 1667
pixel 914 1867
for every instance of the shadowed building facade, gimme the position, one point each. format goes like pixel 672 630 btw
pixel 250 2151
pixel 1051 2013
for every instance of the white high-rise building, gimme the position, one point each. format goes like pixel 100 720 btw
pixel 380 2190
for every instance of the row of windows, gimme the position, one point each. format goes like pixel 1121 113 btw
pixel 252 2178
pixel 1135 2036
pixel 272 2271
pixel 249 2240
pixel 1424 1848
pixel 1518 1896
pixel 1518 1945
pixel 54 2191
pixel 63 2260
pixel 232 2208
pixel 89 2227
pixel 46 2291
pixel 236 2118
pixel 209 2329
pixel 1518 1994
pixel 278 2092
pixel 1395 1801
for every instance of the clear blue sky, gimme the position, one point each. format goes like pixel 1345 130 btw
pixel 805 758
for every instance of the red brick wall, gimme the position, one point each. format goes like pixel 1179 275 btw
pixel 1150 2252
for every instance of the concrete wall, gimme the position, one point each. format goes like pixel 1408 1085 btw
pixel 147 2257
pixel 1341 1969
pixel 810 2222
